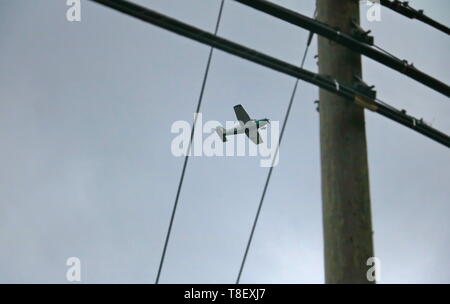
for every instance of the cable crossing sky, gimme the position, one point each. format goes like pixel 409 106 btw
pixel 347 40
pixel 403 8
pixel 269 174
pixel 352 94
pixel 186 158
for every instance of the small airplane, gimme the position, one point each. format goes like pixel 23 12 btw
pixel 245 125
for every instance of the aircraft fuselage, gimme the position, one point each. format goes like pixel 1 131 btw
pixel 251 125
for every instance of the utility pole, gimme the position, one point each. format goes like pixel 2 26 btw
pixel 345 175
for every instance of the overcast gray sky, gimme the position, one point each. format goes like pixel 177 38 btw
pixel 86 168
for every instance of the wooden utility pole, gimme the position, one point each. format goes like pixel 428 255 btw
pixel 345 176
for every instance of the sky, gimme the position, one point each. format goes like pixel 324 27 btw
pixel 86 110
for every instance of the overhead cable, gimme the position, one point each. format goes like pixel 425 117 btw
pixel 269 174
pixel 233 48
pixel 403 8
pixel 186 157
pixel 322 29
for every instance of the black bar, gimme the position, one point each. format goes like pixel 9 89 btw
pixel 230 47
pixel 344 39
pixel 226 293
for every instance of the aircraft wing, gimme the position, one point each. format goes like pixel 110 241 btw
pixel 254 136
pixel 241 114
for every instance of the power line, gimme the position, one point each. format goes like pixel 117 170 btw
pixel 233 48
pixel 347 40
pixel 269 175
pixel 186 158
pixel 403 8
pixel 351 94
